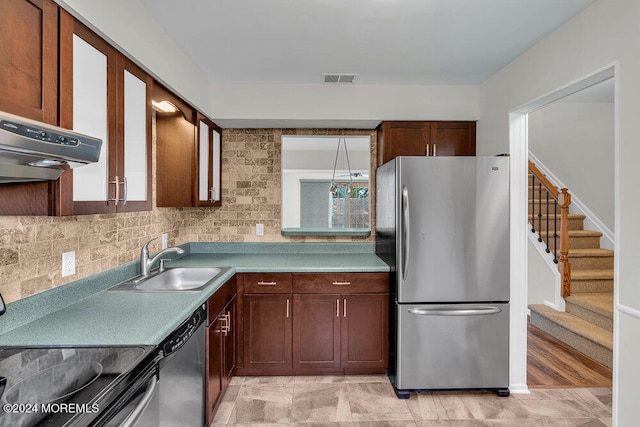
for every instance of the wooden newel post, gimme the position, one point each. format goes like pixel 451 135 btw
pixel 564 266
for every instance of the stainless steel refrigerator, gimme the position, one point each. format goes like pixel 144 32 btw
pixel 442 225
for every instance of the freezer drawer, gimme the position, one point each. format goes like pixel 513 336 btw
pixel 452 346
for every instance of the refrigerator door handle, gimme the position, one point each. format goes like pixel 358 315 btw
pixel 441 311
pixel 405 231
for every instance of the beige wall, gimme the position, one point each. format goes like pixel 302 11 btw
pixel 575 141
pixel 31 247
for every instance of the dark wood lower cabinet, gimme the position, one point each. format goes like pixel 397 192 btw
pixel 214 368
pixel 221 345
pixel 315 330
pixel 267 334
pixel 365 333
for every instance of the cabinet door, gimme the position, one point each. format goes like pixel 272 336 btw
pixel 134 153
pixel 316 332
pixel 267 334
pixel 88 105
pixel 208 182
pixel 402 139
pixel 29 59
pixel 229 343
pixel 365 341
pixel 214 366
pixel 453 138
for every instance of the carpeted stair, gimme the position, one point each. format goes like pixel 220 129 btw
pixel 587 325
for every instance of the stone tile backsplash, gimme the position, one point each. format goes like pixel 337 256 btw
pixel 31 247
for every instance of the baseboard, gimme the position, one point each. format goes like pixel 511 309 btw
pixel 558 302
pixel 519 389
pixel 592 222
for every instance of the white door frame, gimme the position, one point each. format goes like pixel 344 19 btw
pixel 518 149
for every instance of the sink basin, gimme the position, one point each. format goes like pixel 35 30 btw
pixel 179 279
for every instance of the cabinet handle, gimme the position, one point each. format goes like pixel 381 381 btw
pixel 227 323
pixel 124 183
pixel 223 324
pixel 261 283
pixel 343 283
pixel 287 308
pixel 117 183
pixel 337 307
pixel 344 307
pixel 434 149
pixel 426 150
pixel 212 194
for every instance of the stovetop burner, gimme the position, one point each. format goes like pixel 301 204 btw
pixel 62 385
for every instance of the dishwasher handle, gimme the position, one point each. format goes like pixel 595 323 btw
pixel 442 311
pixel 135 415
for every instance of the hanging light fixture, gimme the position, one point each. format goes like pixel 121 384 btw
pixel 335 187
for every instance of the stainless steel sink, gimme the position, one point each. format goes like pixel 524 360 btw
pixel 179 279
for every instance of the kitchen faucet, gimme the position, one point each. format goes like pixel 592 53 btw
pixel 146 263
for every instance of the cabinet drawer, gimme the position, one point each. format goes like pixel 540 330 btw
pixel 267 283
pixel 340 283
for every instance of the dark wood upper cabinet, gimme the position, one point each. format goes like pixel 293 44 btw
pixel 29 76
pixel 425 138
pixel 188 147
pixel 99 93
pixel 208 147
pixel 29 59
pixel 175 151
pixel 453 139
pixel 104 94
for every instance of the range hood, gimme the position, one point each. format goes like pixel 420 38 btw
pixel 34 151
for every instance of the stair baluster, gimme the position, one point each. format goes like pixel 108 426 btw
pixel 563 198
pixel 555 233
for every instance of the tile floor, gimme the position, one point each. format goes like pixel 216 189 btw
pixel 370 401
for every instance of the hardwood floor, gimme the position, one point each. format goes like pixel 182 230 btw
pixel 552 363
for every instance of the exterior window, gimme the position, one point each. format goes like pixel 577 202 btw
pixel 350 209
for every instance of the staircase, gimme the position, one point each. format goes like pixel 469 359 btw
pixel 587 324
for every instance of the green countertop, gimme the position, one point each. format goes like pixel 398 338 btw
pixel 86 313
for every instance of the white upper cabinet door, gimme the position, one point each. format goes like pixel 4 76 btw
pixel 204 142
pixel 208 147
pixel 90 116
pixel 135 138
pixel 215 170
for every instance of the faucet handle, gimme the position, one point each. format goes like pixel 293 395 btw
pixel 145 247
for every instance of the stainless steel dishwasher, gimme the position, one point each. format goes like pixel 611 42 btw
pixel 181 387
pixel 172 393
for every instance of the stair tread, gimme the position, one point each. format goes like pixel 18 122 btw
pixel 595 252
pixel 576 325
pixel 600 303
pixel 603 274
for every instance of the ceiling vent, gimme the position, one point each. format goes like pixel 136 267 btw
pixel 339 77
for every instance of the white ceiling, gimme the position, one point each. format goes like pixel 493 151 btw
pixel 384 41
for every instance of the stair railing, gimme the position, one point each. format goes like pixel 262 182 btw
pixel 548 201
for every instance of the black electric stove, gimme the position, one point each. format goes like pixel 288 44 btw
pixel 67 386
